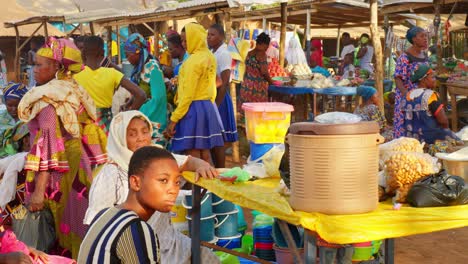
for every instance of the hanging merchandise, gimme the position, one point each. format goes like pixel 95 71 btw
pixel 446 34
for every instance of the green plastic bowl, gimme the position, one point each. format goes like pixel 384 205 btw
pixel 362 253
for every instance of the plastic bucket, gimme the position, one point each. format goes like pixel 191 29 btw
pixel 178 211
pixel 221 206
pixel 284 255
pixel 207 225
pixel 206 204
pixel 227 224
pixel 230 242
pixel 362 253
pixel 241 223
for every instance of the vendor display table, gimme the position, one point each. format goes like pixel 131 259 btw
pixel 454 89
pixel 303 90
pixel 383 223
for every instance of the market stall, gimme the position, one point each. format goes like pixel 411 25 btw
pixel 456 89
pixel 383 223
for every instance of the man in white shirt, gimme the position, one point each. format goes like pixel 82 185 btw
pixel 347 43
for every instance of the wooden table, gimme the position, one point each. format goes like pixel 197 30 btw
pixel 454 89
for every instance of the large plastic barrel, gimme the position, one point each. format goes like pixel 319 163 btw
pixel 334 167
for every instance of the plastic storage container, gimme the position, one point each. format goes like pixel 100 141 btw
pixel 334 167
pixel 267 122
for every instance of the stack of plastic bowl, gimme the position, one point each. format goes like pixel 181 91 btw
pixel 208 218
pixel 226 228
pixel 263 240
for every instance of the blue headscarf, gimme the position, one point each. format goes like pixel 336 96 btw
pixel 412 32
pixel 137 44
pixel 14 91
pixel 366 92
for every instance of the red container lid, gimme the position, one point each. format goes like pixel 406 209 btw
pixel 267 107
pixel 267 246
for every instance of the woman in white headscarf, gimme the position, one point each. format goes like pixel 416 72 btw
pixel 128 132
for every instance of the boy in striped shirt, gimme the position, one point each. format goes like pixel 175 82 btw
pixel 120 234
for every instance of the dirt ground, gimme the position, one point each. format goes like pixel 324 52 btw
pixel 447 247
pixel 444 247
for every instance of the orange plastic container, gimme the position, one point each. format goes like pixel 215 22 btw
pixel 267 122
pixel 334 167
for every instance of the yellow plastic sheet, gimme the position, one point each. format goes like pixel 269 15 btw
pixel 382 223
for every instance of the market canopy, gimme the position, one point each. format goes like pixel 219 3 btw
pixel 11 11
pixel 424 6
pixel 324 13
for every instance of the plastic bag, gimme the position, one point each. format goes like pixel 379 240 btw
pixel 401 144
pixel 438 190
pixel 463 134
pixel 266 165
pixel 36 229
pixel 403 168
pixel 338 118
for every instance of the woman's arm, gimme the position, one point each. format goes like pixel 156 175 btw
pixel 224 87
pixel 362 51
pixel 200 167
pixel 37 198
pixel 264 67
pixel 400 86
pixel 138 94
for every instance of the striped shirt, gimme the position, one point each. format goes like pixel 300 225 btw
pixel 119 236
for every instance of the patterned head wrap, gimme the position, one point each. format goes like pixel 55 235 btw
pixel 137 44
pixel 420 73
pixel 366 92
pixel 412 32
pixel 14 91
pixel 65 52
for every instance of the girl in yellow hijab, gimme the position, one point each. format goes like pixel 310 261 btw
pixel 195 125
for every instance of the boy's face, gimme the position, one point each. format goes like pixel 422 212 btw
pixel 12 107
pixel 213 38
pixel 175 50
pixel 158 187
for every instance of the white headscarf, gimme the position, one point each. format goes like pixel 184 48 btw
pixel 117 148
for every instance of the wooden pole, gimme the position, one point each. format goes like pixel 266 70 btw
pixel 119 57
pixel 91 27
pixel 175 26
pixel 232 88
pixel 284 21
pixel 338 41
pixel 81 29
pixel 156 39
pixel 387 49
pixel 17 55
pixel 307 35
pixel 109 42
pixel 378 51
pixel 437 40
pixel 264 24
pixel 46 31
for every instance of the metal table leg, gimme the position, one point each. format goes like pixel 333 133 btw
pixel 195 225
pixel 310 247
pixel 389 251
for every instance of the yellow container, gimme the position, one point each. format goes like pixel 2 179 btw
pixel 267 122
pixel 178 212
pixel 334 167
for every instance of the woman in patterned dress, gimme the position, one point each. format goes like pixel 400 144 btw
pixel 66 142
pixel 405 65
pixel 257 79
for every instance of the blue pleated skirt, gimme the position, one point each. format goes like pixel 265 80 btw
pixel 200 128
pixel 226 111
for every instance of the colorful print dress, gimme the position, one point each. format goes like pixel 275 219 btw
pixel 69 160
pixel 405 65
pixel 254 86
